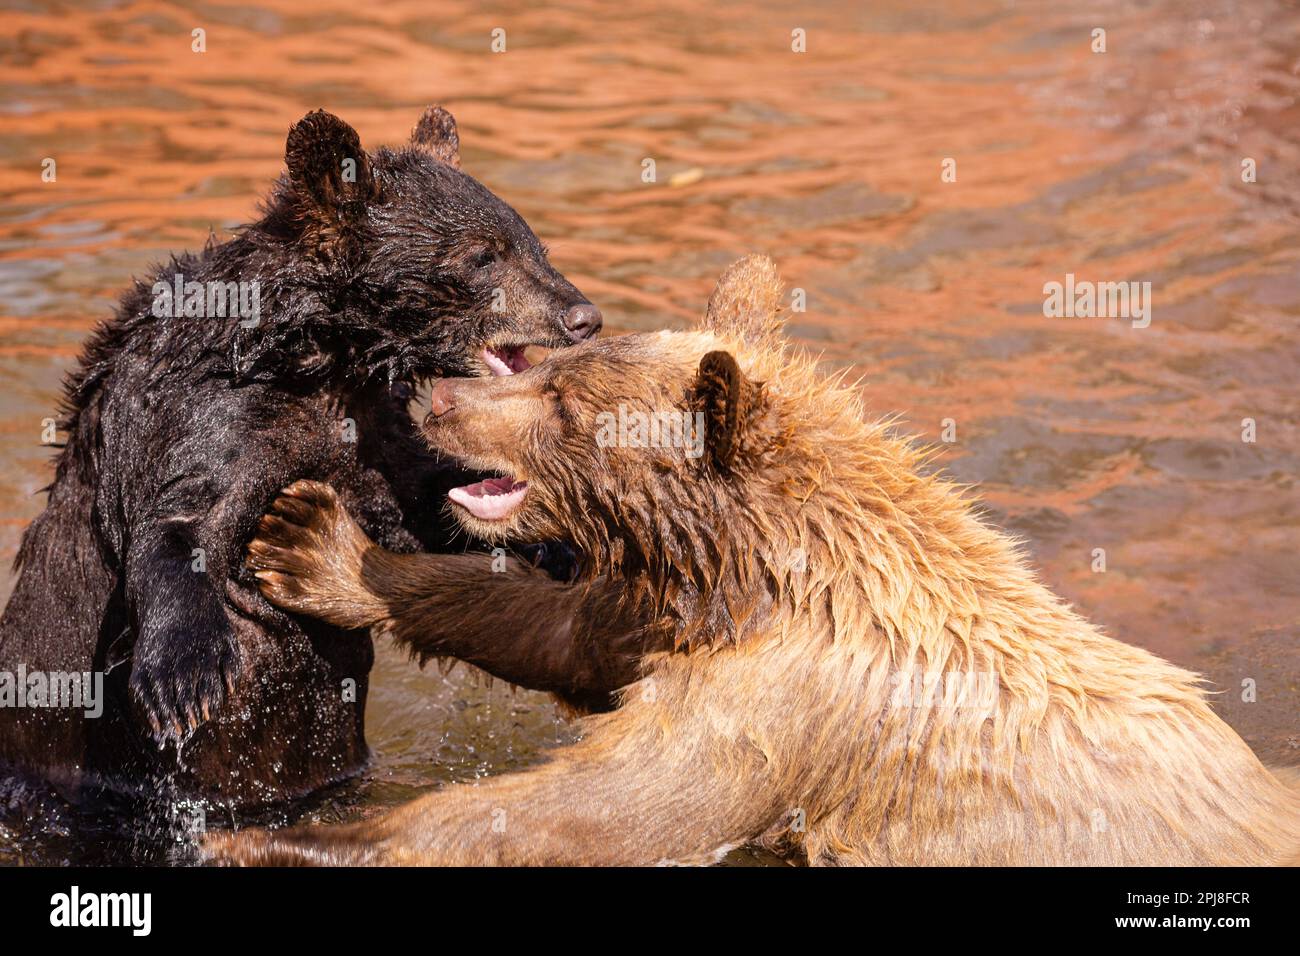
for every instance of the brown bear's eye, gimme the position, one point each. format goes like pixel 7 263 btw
pixel 483 259
pixel 562 409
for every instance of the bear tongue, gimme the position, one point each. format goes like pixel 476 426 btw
pixel 506 361
pixel 496 486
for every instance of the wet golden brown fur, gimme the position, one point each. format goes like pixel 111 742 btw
pixel 820 595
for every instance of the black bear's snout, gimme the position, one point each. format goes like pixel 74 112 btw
pixel 582 321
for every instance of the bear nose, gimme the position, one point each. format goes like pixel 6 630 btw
pixel 582 321
pixel 442 398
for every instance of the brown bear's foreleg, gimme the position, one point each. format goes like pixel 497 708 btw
pixel 581 642
pixel 646 785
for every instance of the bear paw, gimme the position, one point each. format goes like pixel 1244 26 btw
pixel 307 556
pixel 179 681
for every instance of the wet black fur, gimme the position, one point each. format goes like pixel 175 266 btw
pixel 180 431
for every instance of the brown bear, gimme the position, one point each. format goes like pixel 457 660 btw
pixel 841 659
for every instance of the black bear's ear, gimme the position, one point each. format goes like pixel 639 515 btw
pixel 732 408
pixel 327 166
pixel 436 133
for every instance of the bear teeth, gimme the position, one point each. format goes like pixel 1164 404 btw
pixel 506 360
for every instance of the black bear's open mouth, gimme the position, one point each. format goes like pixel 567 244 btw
pixel 505 359
pixel 491 499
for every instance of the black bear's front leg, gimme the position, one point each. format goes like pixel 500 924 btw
pixel 186 657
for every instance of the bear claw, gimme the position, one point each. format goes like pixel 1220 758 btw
pixel 307 550
pixel 179 692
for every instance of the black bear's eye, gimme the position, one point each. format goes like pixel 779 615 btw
pixel 483 258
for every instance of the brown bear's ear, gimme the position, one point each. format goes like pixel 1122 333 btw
pixel 731 406
pixel 436 133
pixel 327 166
pixel 746 302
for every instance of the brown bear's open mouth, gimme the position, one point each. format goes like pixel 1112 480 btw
pixel 491 499
pixel 505 359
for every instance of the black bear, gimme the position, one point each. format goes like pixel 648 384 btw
pixel 290 351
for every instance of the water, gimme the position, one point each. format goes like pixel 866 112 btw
pixel 1081 433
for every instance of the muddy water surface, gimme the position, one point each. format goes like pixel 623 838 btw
pixel 1081 433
